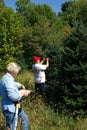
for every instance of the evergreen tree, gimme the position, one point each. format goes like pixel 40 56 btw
pixel 73 75
pixel 53 52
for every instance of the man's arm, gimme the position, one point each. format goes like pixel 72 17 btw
pixel 47 62
pixel 42 61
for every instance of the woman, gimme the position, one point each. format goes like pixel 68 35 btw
pixel 11 95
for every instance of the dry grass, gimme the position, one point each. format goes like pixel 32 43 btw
pixel 26 79
pixel 41 116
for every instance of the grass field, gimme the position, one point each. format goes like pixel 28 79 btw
pixel 41 116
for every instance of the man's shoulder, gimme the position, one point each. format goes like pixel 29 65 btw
pixel 39 65
pixel 36 64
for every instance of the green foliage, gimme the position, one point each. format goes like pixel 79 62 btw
pixel 10 36
pixel 36 30
pixel 41 116
pixel 39 33
pixel 22 5
pixel 82 14
pixel 73 11
pixel 52 74
pixel 74 70
pixel 2 3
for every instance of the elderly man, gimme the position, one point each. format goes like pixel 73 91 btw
pixel 9 90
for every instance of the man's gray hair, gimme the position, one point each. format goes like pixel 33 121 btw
pixel 13 67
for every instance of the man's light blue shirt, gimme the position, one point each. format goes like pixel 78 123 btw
pixel 9 92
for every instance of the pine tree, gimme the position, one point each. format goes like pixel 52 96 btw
pixel 74 70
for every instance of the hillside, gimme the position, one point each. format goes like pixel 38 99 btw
pixel 41 115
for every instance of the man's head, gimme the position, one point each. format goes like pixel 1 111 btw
pixel 13 68
pixel 36 59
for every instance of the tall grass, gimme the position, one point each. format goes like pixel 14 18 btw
pixel 41 116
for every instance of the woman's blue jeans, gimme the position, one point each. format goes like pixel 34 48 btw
pixel 10 118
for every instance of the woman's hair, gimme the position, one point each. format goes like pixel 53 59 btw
pixel 13 67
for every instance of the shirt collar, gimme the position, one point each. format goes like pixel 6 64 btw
pixel 10 75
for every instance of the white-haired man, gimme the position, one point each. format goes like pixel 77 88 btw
pixel 9 90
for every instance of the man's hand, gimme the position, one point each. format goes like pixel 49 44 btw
pixel 25 93
pixel 22 87
pixel 47 59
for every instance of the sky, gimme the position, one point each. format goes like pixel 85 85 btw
pixel 54 4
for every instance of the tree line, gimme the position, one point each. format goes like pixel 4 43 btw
pixel 37 30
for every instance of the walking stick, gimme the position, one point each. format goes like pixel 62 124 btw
pixel 14 126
